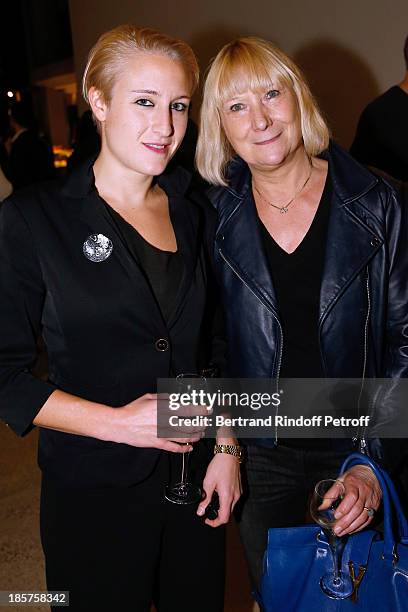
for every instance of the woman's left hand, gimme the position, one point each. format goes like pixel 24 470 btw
pixel 223 476
pixel 363 493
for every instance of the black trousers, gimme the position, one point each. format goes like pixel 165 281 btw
pixel 278 483
pixel 124 548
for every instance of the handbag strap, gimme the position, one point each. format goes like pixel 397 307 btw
pixel 402 521
pixel 389 540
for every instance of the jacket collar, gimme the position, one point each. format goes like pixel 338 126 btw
pixel 80 182
pixel 347 185
pixel 351 180
pixel 175 181
pixel 239 226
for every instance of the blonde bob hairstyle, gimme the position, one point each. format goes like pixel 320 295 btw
pixel 114 48
pixel 254 64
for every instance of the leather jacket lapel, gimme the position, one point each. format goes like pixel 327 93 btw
pixel 240 245
pixel 344 261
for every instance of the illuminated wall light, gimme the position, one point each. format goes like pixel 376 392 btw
pixel 10 94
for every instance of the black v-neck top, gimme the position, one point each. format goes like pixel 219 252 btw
pixel 163 269
pixel 297 278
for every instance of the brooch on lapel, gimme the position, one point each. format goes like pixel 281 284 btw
pixel 97 247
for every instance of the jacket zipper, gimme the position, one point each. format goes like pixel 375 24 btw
pixel 276 319
pixel 360 438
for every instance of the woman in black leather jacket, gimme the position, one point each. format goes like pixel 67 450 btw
pixel 311 255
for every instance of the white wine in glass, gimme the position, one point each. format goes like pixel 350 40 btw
pixel 184 491
pixel 327 496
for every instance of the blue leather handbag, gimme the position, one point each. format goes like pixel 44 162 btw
pixel 296 558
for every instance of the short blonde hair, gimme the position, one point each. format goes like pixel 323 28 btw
pixel 251 63
pixel 114 48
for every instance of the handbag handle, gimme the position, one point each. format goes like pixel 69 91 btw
pixel 402 521
pixel 388 489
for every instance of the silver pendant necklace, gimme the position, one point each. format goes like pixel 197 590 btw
pixel 283 209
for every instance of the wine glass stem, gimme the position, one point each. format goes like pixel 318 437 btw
pixel 333 541
pixel 184 467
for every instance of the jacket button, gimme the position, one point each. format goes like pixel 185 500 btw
pixel 161 345
pixel 374 242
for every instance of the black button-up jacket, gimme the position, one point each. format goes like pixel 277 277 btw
pixel 105 336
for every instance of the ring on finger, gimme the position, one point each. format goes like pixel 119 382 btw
pixel 370 511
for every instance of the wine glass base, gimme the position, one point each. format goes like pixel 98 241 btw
pixel 339 589
pixel 183 493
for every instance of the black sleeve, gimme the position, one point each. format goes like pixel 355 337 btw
pixel 216 361
pixel 22 295
pixel 365 146
pixel 218 333
pixel 218 351
pixel 390 405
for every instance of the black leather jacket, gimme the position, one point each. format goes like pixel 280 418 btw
pixel 363 314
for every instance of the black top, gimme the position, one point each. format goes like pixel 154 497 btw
pixel 297 278
pixel 163 269
pixel 381 138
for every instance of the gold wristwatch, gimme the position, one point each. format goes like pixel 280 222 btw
pixel 230 449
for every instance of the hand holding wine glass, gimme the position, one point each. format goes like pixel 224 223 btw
pixel 327 496
pixel 362 499
pixel 184 491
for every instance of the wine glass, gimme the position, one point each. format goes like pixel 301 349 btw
pixel 185 492
pixel 327 496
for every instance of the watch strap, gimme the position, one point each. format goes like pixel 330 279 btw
pixel 229 449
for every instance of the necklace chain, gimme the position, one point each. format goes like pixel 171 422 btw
pixel 284 209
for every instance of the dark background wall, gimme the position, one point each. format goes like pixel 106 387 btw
pixel 351 50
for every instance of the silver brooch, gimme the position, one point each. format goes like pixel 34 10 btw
pixel 97 247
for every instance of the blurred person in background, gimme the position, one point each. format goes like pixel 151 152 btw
pixel 381 139
pixel 31 157
pixel 88 141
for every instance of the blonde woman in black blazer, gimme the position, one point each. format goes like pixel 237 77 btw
pixel 110 266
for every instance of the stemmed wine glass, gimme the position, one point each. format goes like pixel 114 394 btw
pixel 327 496
pixel 184 491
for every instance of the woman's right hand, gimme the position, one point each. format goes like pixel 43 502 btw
pixel 136 425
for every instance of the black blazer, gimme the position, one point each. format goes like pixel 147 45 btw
pixel 105 336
